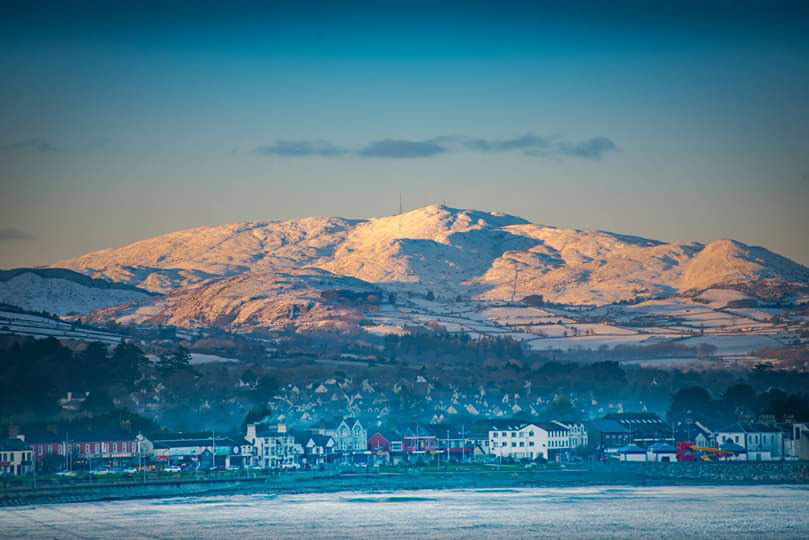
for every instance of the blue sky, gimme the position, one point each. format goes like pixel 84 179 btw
pixel 689 122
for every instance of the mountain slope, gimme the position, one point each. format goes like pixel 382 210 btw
pixel 61 291
pixel 451 252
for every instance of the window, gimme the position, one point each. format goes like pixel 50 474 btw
pixel 495 434
pixel 530 433
pixel 513 445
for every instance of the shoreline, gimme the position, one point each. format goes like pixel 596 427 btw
pixel 596 474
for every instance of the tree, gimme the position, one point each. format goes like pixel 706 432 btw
pixel 266 389
pixel 693 400
pixel 740 398
pixel 94 366
pixel 97 402
pixel 128 362
pixel 175 362
pixel 249 377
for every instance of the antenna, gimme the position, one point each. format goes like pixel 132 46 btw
pixel 400 203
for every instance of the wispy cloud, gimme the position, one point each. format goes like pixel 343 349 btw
pixel 594 148
pixel 12 233
pixel 35 145
pixel 529 144
pixel 301 149
pixel 400 148
pixel 525 143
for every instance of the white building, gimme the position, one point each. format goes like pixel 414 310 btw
pixel 632 452
pixel 661 452
pixel 577 432
pixel 760 442
pixel 518 440
pixel 274 445
pixel 558 437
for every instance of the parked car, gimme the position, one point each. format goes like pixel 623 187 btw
pixel 172 469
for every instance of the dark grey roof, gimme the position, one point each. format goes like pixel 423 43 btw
pixel 11 445
pixel 79 436
pixel 740 427
pixel 550 426
pixel 608 426
pixel 184 443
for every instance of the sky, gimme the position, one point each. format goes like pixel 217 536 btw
pixel 679 122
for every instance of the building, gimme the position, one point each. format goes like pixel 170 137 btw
pixel 15 457
pixel 558 438
pixel 315 449
pixel 454 443
pixel 632 452
pixel 349 435
pixel 112 447
pixel 800 441
pixel 418 440
pixel 661 452
pixel 760 442
pixel 517 440
pixel 644 428
pixel 605 437
pixel 577 432
pixel 274 445
pixel 200 451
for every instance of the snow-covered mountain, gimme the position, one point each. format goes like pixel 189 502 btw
pixel 63 292
pixel 490 256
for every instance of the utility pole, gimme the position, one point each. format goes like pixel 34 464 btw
pixel 463 443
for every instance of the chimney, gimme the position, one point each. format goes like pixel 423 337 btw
pixel 251 432
pixel 282 428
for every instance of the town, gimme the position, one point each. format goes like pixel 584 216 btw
pixel 347 442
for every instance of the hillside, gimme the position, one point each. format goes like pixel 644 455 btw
pixel 489 256
pixel 62 292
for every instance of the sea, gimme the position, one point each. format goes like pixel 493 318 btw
pixel 503 514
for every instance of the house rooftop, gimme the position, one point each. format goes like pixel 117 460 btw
pixel 11 445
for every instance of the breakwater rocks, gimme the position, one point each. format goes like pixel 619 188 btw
pixel 755 472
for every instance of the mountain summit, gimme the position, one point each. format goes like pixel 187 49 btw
pixel 448 251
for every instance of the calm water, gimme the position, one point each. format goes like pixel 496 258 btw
pixel 598 512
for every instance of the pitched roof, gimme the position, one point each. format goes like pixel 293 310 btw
pixel 631 448
pixel 79 436
pixel 662 448
pixel 608 426
pixel 11 445
pixel 635 418
pixel 740 427
pixel 550 426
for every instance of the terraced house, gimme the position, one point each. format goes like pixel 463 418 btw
pixel 15 457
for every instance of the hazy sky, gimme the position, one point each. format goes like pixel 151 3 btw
pixel 686 123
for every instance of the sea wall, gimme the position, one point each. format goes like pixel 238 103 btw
pixel 579 475
pixel 775 472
